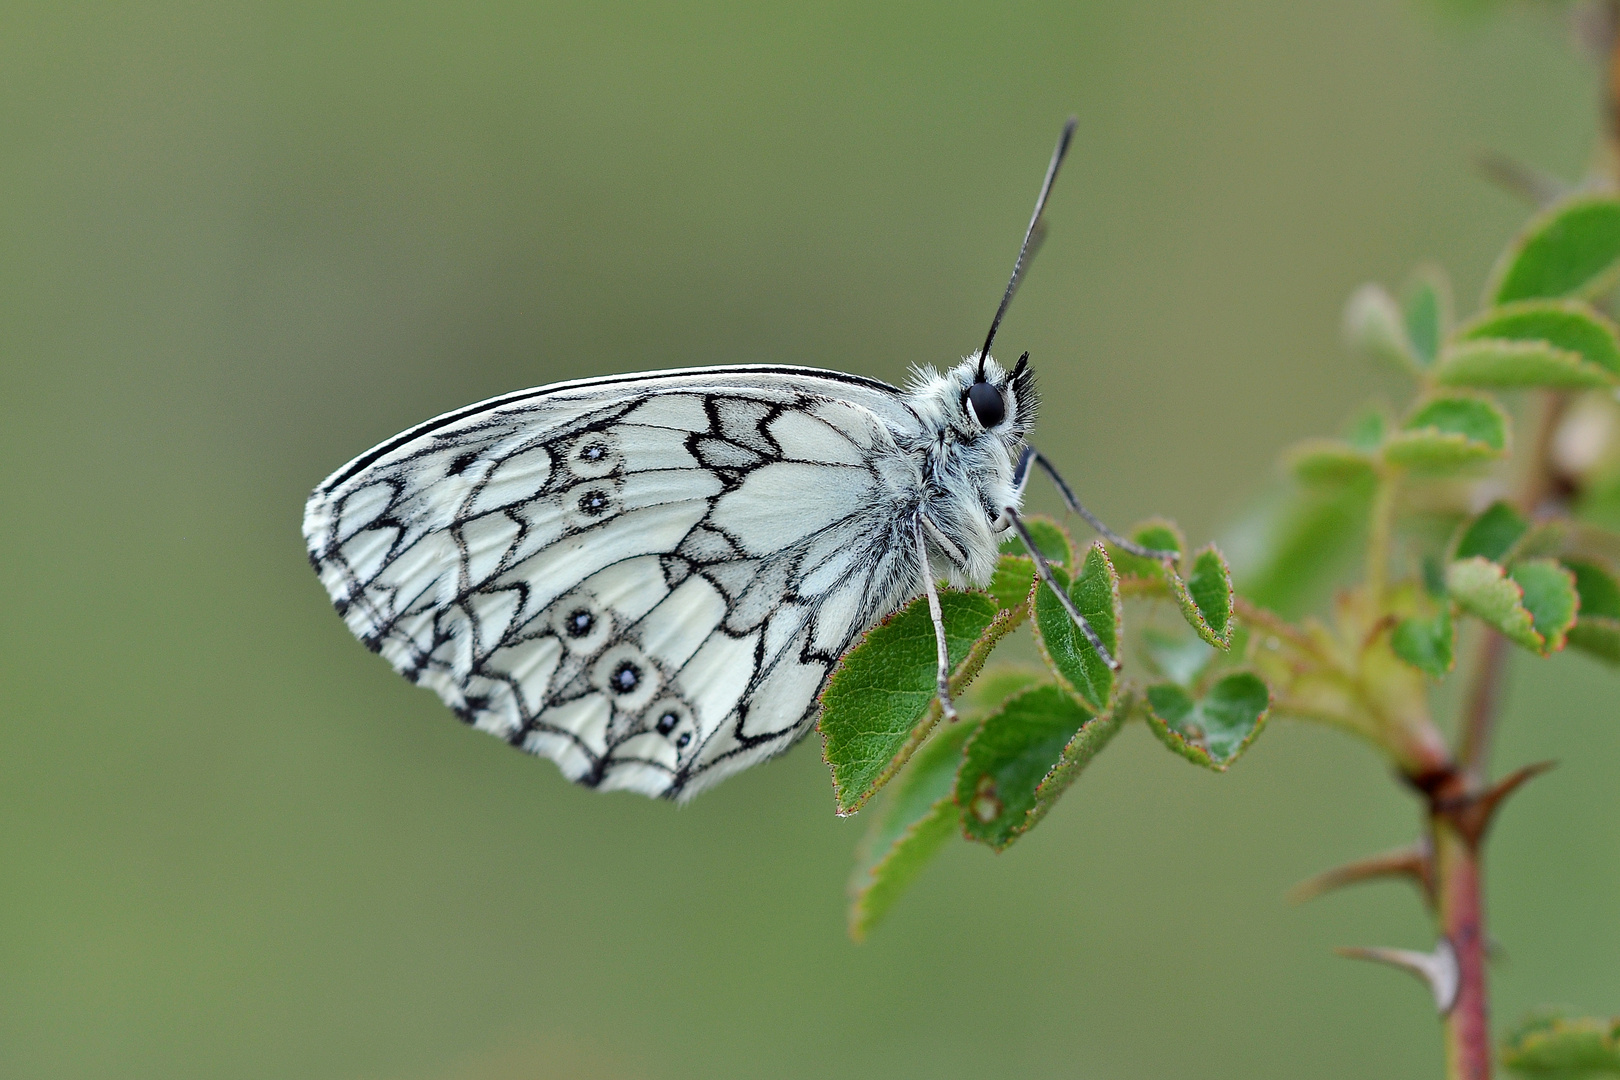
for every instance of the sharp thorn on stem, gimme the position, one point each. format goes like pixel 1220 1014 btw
pixel 1412 862
pixel 1438 969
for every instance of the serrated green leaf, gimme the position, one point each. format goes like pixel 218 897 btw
pixel 1214 730
pixel 1491 534
pixel 1550 597
pixel 1426 644
pixel 1570 326
pixel 1178 657
pixel 1564 1048
pixel 1374 327
pixel 917 819
pixel 1095 593
pixel 1447 433
pixel 1510 365
pixel 1426 311
pixel 1570 249
pixel 1209 588
pixel 1157 534
pixel 1086 744
pixel 884 688
pixel 1330 462
pixel 1049 536
pixel 1483 589
pixel 1014 750
pixel 1011 582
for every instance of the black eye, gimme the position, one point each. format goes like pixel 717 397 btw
pixel 579 623
pixel 987 404
pixel 667 723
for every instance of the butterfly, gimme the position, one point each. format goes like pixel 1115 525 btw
pixel 649 578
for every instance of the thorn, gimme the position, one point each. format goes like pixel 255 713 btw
pixel 1516 178
pixel 1438 969
pixel 1412 861
pixel 1472 814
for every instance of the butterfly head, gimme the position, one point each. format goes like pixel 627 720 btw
pixel 979 401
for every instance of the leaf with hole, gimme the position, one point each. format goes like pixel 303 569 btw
pixel 1015 748
pixel 1570 249
pixel 1215 729
pixel 917 818
pixel 1095 593
pixel 880 702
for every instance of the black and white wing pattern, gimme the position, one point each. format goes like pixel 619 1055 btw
pixel 646 579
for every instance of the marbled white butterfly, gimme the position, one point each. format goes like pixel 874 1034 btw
pixel 648 578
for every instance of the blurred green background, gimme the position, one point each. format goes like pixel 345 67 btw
pixel 243 242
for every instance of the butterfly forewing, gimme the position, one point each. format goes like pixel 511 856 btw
pixel 646 579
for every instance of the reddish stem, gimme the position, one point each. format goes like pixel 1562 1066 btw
pixel 1462 920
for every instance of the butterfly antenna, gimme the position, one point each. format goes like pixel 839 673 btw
pixel 1033 233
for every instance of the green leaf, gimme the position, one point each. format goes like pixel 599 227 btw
pixel 1157 534
pixel 873 708
pixel 1049 536
pixel 1481 588
pixel 1426 310
pixel 1209 591
pixel 1570 249
pixel 1014 750
pixel 1214 730
pixel 1448 433
pixel 1564 1048
pixel 1515 364
pixel 1330 463
pixel 1492 534
pixel 1096 595
pixel 1562 343
pixel 1087 743
pixel 1550 597
pixel 1011 583
pixel 1426 644
pixel 1597 629
pixel 916 820
pixel 1374 327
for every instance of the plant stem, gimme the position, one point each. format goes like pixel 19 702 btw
pixel 1479 708
pixel 1378 536
pixel 1462 921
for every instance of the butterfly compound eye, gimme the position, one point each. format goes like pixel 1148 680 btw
pixel 987 404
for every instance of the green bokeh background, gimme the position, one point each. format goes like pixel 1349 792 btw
pixel 244 242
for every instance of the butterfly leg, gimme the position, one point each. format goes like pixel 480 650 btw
pixel 1045 571
pixel 938 615
pixel 1032 454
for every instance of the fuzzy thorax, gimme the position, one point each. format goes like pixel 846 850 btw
pixel 968 466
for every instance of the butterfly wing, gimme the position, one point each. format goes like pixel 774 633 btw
pixel 645 579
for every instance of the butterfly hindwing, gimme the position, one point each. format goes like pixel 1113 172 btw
pixel 645 580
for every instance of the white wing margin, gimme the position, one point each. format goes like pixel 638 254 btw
pixel 645 579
